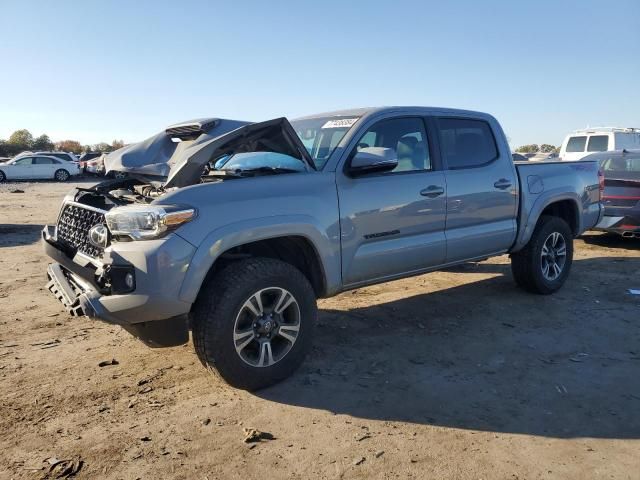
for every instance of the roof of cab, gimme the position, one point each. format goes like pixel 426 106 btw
pixel 368 111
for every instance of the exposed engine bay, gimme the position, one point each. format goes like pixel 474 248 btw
pixel 117 193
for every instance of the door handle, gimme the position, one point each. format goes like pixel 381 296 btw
pixel 502 184
pixel 432 191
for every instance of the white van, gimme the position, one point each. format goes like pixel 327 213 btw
pixel 600 139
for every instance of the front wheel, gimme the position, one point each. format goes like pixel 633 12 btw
pixel 3 177
pixel 61 175
pixel 253 322
pixel 543 265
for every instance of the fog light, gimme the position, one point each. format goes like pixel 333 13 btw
pixel 128 281
pixel 120 278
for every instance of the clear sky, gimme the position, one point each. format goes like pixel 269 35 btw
pixel 100 70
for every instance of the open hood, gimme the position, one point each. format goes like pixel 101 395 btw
pixel 180 153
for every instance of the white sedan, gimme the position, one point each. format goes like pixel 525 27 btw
pixel 37 167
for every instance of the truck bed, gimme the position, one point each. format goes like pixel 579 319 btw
pixel 544 182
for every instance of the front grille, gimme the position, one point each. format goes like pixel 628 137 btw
pixel 73 229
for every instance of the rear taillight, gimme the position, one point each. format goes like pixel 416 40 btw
pixel 601 182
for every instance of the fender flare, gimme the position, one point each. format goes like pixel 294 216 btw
pixel 252 230
pixel 543 201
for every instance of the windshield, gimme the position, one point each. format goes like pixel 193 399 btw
pixel 253 160
pixel 321 135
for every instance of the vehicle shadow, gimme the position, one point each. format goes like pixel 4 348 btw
pixel 14 235
pixel 483 356
pixel 611 241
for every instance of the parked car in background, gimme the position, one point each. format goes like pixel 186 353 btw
pixel 64 156
pixel 85 157
pixel 95 165
pixel 36 166
pixel 621 197
pixel 518 157
pixel 581 143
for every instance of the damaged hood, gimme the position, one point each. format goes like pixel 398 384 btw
pixel 178 155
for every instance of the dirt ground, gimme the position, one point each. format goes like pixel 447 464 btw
pixel 454 374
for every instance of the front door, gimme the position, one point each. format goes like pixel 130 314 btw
pixel 481 189
pixel 393 223
pixel 22 168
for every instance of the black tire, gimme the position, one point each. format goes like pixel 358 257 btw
pixel 219 307
pixel 61 175
pixel 528 264
pixel 3 177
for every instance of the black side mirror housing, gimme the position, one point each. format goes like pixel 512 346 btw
pixel 373 160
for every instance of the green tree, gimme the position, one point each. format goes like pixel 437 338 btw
pixel 546 148
pixel 116 144
pixel 43 142
pixel 69 146
pixel 101 147
pixel 533 148
pixel 21 139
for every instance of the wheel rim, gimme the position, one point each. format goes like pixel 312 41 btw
pixel 120 175
pixel 553 256
pixel 61 175
pixel 266 327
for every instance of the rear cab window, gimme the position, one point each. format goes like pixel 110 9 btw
pixel 466 143
pixel 576 144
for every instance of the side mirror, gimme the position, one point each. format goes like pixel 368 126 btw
pixel 373 159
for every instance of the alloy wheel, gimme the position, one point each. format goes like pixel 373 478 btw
pixel 553 256
pixel 266 327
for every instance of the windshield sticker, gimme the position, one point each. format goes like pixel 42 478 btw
pixel 341 123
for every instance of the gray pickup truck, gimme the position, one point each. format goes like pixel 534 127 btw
pixel 233 229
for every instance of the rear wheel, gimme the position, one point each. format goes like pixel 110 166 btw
pixel 543 265
pixel 3 177
pixel 253 322
pixel 61 175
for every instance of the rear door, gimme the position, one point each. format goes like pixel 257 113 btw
pixel 44 167
pixel 481 189
pixel 392 223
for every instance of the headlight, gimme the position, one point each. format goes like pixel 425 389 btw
pixel 142 222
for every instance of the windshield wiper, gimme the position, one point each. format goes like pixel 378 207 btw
pixel 267 170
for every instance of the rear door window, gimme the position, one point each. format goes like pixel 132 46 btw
pixel 576 144
pixel 598 143
pixel 466 143
pixel 44 161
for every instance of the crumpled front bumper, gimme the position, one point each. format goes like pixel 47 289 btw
pixel 153 311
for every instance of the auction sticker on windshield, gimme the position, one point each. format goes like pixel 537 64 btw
pixel 340 123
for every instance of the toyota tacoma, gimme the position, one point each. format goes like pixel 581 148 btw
pixel 232 230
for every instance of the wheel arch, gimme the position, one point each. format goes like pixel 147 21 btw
pixel 301 245
pixel 565 206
